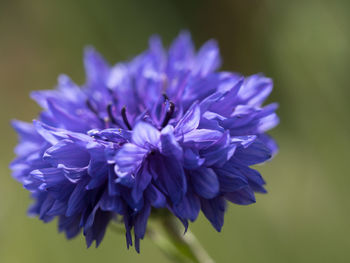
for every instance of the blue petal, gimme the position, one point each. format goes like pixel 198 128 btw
pixel 47 134
pixel 181 53
pixel 218 152
pixel 214 210
pixel 171 177
pixel 189 121
pixel 155 197
pixel 121 83
pixel 140 225
pixel 208 58
pixel 189 207
pixel 73 174
pixel 70 91
pixel 70 225
pixel 112 185
pixel 245 141
pixel 90 219
pixel 112 134
pixel 145 135
pixel 42 96
pixel 54 135
pixel 127 180
pixel 58 208
pixel 68 153
pixel 98 167
pixel 205 182
pixel 207 102
pixel 67 120
pixel 269 143
pixel 254 178
pixel 51 180
pixel 210 124
pixel 201 88
pixel 231 180
pixel 45 207
pixel 97 231
pixel 76 201
pixel 255 90
pixel 244 196
pixel 98 173
pixel 129 158
pixel 201 138
pixel 250 120
pixel 141 221
pixel 157 50
pixel 256 153
pixel 169 146
pixel 66 95
pixel 192 159
pixel 111 203
pixel 95 66
pixel 26 131
pixel 127 197
pixel 226 104
pixel 142 179
pixel 268 122
pixel 128 226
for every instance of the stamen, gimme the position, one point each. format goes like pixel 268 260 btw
pixel 91 107
pixel 110 114
pixel 125 118
pixel 169 114
pixel 94 111
pixel 166 98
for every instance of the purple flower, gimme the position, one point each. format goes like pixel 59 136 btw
pixel 163 131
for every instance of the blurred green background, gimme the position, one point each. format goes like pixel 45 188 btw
pixel 303 45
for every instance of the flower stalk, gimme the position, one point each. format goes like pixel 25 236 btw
pixel 168 235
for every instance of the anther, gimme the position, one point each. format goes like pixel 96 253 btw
pixel 166 98
pixel 110 114
pixel 94 111
pixel 125 118
pixel 169 114
pixel 91 107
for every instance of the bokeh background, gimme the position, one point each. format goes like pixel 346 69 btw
pixel 303 45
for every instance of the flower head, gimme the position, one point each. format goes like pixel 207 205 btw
pixel 162 131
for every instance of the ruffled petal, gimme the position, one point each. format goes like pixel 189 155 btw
pixel 68 153
pixel 255 90
pixel 192 160
pixel 189 121
pixel 244 196
pixel 142 180
pixel 256 153
pixel 189 207
pixel 214 210
pixel 145 135
pixel 205 182
pixel 169 146
pixel 140 225
pixel 208 59
pixel 129 158
pixel 155 197
pixel 171 177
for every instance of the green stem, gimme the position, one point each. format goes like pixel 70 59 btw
pixel 168 235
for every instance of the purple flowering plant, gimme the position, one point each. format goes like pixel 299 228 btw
pixel 164 135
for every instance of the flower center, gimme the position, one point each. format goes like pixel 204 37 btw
pixel 110 117
pixel 170 111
